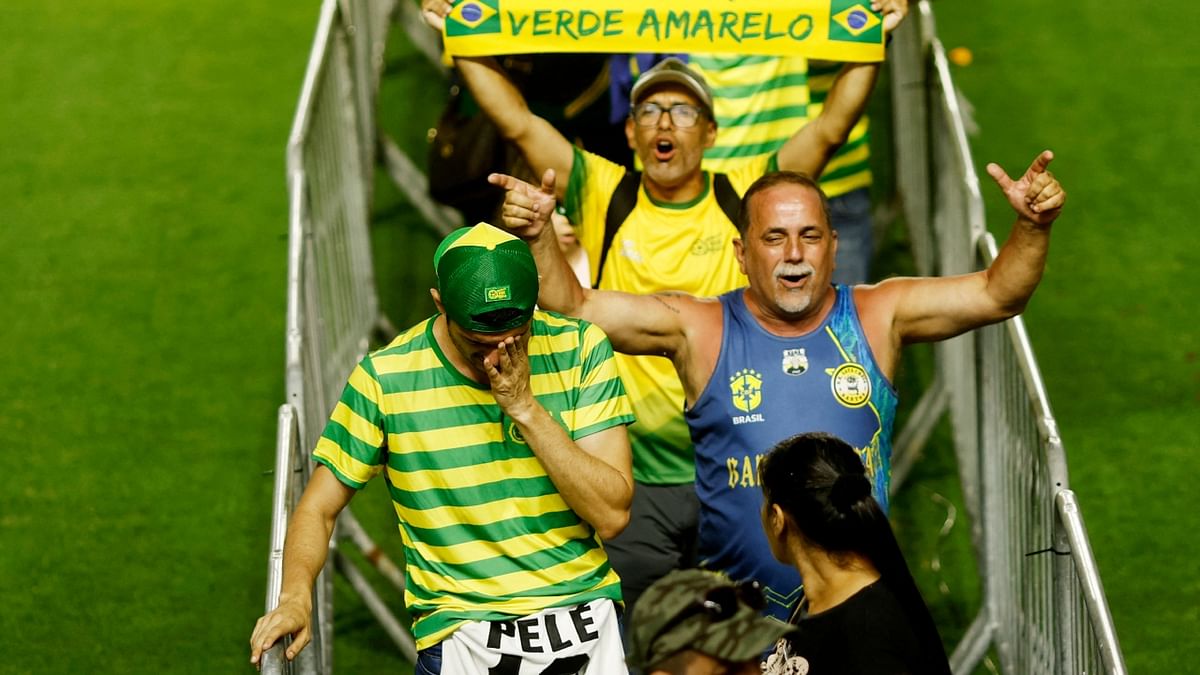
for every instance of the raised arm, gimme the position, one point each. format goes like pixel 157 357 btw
pixel 303 557
pixel 936 308
pixel 811 147
pixel 543 146
pixel 635 324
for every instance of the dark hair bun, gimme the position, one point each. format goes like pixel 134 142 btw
pixel 848 490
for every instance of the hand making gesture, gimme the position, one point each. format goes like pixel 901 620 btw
pixel 527 209
pixel 1037 196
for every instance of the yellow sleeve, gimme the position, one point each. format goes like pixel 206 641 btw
pixel 589 191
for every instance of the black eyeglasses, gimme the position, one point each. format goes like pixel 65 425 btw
pixel 683 115
pixel 720 604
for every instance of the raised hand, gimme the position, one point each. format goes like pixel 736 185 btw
pixel 1037 196
pixel 893 12
pixel 434 12
pixel 526 211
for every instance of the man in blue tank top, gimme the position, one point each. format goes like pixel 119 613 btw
pixel 792 352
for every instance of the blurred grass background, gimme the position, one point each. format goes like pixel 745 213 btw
pixel 1113 323
pixel 142 269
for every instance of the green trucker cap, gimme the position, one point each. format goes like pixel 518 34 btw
pixel 487 278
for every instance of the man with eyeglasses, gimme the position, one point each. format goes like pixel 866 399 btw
pixel 675 237
pixel 694 622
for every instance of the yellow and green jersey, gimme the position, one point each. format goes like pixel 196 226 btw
pixel 758 102
pixel 850 167
pixel 761 101
pixel 659 247
pixel 486 534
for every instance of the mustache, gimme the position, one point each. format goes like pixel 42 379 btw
pixel 785 269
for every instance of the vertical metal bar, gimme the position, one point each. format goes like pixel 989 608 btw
pixel 1064 605
pixel 375 604
pixel 910 137
pixel 1089 578
pixel 286 439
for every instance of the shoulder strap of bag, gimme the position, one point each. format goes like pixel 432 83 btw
pixel 728 198
pixel 624 198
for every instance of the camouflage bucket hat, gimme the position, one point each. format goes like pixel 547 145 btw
pixel 700 610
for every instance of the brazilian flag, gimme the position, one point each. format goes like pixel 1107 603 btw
pixel 473 17
pixel 853 21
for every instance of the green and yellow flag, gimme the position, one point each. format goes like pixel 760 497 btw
pixel 473 17
pixel 832 30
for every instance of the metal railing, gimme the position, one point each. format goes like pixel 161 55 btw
pixel 332 307
pixel 1043 607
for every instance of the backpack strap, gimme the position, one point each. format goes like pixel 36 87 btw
pixel 728 198
pixel 624 198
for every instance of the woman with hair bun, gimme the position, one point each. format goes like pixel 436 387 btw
pixel 860 611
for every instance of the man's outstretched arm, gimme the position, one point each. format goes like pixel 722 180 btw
pixel 541 144
pixel 635 324
pixel 936 308
pixel 303 557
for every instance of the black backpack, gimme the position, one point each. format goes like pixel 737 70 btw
pixel 624 198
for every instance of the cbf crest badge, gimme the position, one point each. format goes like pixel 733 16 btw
pixel 795 361
pixel 851 385
pixel 746 387
pixel 515 435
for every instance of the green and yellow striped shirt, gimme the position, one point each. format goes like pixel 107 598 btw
pixel 486 534
pixel 761 101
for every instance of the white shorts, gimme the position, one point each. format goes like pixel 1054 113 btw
pixel 580 640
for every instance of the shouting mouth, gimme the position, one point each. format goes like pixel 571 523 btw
pixel 664 149
pixel 793 278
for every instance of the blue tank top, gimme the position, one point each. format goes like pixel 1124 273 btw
pixel 764 389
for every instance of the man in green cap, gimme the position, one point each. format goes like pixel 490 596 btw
pixel 500 431
pixel 696 622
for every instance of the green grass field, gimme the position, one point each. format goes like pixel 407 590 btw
pixel 143 234
pixel 1113 322
pixel 142 270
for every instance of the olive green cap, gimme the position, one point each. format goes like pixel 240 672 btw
pixel 656 634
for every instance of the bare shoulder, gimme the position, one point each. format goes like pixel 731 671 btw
pixel 703 330
pixel 696 316
pixel 685 304
pixel 876 305
pixel 878 300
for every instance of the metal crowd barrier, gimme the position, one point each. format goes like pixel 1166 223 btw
pixel 1043 606
pixel 332 307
